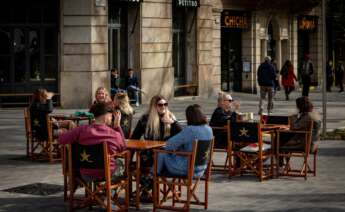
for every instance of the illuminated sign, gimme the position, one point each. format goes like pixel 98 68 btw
pixel 187 3
pixel 307 23
pixel 235 19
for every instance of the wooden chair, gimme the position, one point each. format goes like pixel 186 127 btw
pixel 28 131
pixel 53 147
pixel 227 166
pixel 172 184
pixel 288 152
pixel 250 149
pixel 104 192
pixel 36 143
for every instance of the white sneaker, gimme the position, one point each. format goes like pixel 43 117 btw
pixel 137 104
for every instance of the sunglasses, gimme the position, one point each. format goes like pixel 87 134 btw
pixel 230 100
pixel 162 104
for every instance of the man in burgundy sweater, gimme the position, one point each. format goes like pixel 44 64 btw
pixel 99 131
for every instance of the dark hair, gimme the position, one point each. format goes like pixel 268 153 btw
pixel 304 104
pixel 130 69
pixel 39 95
pixel 114 70
pixel 195 116
pixel 101 108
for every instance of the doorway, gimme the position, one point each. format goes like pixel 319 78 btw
pixel 231 62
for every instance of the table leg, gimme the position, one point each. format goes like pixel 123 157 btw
pixel 137 179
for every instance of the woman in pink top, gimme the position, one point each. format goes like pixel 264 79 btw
pixel 99 131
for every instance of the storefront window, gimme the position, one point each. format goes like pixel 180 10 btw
pixel 29 45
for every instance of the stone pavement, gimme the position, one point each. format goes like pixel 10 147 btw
pixel 325 192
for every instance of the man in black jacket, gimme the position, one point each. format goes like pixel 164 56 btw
pixel 266 76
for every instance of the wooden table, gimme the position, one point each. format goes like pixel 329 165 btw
pixel 71 117
pixel 138 146
pixel 272 129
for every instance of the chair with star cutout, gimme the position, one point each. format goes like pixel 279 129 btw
pixel 250 149
pixel 111 191
pixel 37 147
pixel 170 187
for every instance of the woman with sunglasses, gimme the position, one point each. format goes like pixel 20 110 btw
pixel 225 111
pixel 158 123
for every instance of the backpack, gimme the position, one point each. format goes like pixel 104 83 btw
pixel 284 72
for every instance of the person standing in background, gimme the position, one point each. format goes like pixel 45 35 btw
pixel 266 76
pixel 276 81
pixel 288 78
pixel 339 76
pixel 329 76
pixel 306 70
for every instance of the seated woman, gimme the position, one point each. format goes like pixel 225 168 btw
pixel 100 130
pixel 158 123
pixel 102 95
pixel 40 107
pixel 197 129
pixel 121 103
pixel 225 111
pixel 301 121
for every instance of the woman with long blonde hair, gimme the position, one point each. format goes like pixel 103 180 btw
pixel 158 123
pixel 121 103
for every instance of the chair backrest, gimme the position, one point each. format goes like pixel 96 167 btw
pixel 203 152
pixel 222 133
pixel 126 125
pixel 38 122
pixel 271 119
pixel 88 156
pixel 27 121
pixel 245 132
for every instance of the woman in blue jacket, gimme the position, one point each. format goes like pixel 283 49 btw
pixel 197 129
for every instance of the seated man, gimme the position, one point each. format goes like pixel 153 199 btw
pixel 224 112
pixel 100 130
pixel 132 86
pixel 115 82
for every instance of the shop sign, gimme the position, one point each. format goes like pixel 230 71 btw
pixel 187 3
pixel 235 19
pixel 307 23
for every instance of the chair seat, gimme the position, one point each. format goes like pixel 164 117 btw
pixel 254 147
pixel 291 149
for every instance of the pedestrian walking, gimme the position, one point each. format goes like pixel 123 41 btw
pixel 276 81
pixel 266 76
pixel 306 70
pixel 339 76
pixel 288 78
pixel 329 76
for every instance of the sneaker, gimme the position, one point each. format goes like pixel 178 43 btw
pixel 137 104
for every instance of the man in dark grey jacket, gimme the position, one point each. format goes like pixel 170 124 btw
pixel 266 76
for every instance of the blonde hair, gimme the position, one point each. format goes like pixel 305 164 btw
pixel 122 100
pixel 153 122
pixel 221 96
pixel 107 96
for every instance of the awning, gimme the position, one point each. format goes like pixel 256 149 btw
pixel 132 1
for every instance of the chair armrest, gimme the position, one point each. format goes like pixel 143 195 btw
pixel 125 153
pixel 219 128
pixel 293 131
pixel 186 154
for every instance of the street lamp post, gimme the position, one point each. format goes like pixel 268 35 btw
pixel 324 93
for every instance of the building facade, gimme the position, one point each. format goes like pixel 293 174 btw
pixel 176 47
